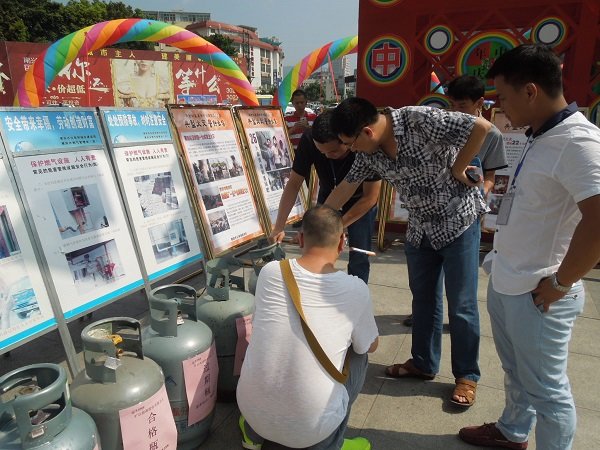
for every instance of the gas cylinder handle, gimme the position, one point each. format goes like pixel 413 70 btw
pixel 166 302
pixel 105 341
pixel 273 252
pixel 49 401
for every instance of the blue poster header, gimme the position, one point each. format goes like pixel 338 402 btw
pixel 31 131
pixel 137 126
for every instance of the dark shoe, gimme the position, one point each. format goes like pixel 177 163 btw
pixel 487 435
pixel 408 321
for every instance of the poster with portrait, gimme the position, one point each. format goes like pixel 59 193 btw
pixel 154 189
pixel 227 204
pixel 25 309
pixel 272 154
pixel 142 83
pixel 514 144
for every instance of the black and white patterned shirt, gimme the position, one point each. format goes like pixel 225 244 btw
pixel 428 141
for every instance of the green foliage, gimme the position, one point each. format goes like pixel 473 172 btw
pixel 49 21
pixel 313 92
pixel 225 44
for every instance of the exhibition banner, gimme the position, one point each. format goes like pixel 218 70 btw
pixel 25 309
pixel 31 130
pixel 154 189
pixel 136 126
pixel 267 139
pixel 514 144
pixel 219 174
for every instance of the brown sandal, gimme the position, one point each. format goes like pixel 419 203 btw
pixel 410 371
pixel 464 388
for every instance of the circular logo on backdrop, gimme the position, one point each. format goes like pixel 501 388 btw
pixel 435 101
pixel 550 31
pixel 479 53
pixel 384 2
pixel 386 60
pixel 438 40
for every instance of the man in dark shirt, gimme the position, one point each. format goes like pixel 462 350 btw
pixel 332 160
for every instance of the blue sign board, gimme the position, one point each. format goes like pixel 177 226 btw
pixel 132 126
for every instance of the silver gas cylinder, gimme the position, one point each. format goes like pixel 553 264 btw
pixel 36 412
pixel 116 376
pixel 225 308
pixel 176 340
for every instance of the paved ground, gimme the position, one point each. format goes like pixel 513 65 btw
pixel 400 414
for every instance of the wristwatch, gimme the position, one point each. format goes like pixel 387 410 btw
pixel 556 285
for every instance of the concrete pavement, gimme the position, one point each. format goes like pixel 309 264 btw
pixel 393 413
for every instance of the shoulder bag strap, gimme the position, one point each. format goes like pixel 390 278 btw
pixel 292 286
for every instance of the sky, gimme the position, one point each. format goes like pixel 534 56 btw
pixel 302 25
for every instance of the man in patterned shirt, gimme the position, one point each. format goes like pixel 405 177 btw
pixel 424 153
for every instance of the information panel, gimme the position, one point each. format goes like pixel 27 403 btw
pixel 266 136
pixel 24 305
pixel 154 189
pixel 212 150
pixel 514 143
pixel 70 190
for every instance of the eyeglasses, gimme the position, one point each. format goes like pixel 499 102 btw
pixel 351 144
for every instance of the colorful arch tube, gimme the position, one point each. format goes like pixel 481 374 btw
pixel 38 78
pixel 311 62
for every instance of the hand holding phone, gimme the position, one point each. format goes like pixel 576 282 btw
pixel 474 171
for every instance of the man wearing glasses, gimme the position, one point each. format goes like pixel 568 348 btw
pixel 332 160
pixel 424 153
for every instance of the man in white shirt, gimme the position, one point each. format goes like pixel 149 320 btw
pixel 284 394
pixel 546 240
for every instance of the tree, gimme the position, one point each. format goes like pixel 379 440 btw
pixel 225 44
pixel 313 92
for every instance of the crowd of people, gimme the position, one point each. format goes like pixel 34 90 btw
pixel 314 326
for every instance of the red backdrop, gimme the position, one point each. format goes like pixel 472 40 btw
pixel 402 41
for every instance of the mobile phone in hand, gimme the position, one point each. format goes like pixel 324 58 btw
pixel 475 174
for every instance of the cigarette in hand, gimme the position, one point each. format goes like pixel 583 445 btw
pixel 360 250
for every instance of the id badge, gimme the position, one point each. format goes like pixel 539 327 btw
pixel 505 207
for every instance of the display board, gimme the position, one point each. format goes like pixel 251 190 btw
pixel 225 199
pixel 25 309
pixel 69 191
pixel 514 143
pixel 267 141
pixel 152 182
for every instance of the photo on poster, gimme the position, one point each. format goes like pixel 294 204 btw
pixel 277 179
pixel 218 222
pixel 273 152
pixel 168 240
pixel 95 266
pixel 203 172
pixel 211 197
pixel 78 210
pixel 8 240
pixel 494 203
pixel 219 168
pixel 142 83
pixel 500 184
pixel 17 297
pixel 156 193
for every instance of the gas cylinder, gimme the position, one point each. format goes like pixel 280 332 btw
pixel 228 312
pixel 116 375
pixel 184 348
pixel 260 256
pixel 39 414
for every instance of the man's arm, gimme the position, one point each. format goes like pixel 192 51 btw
pixel 341 194
pixel 287 201
pixel 488 181
pixel 470 149
pixel 583 253
pixel 369 198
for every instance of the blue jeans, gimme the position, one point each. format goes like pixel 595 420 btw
pixel 360 234
pixel 459 261
pixel 533 348
pixel 356 378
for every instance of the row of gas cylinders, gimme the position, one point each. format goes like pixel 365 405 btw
pixel 141 389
